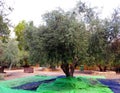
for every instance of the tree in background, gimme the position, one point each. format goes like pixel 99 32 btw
pixel 114 36
pixel 34 38
pixel 11 53
pixel 4 29
pixel 115 47
pixel 4 21
pixel 19 32
pixel 99 50
pixel 22 44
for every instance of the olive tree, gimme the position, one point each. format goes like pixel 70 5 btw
pixel 58 41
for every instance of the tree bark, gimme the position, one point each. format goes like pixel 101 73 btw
pixel 65 68
pixel 10 65
pixel 105 68
pixel 68 69
pixel 1 69
pixel 102 69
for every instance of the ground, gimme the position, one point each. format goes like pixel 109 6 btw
pixel 12 74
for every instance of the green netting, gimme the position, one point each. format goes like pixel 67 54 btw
pixel 9 90
pixel 21 81
pixel 61 85
pixel 95 77
pixel 74 85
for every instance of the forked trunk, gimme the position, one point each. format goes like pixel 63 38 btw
pixel 68 69
pixel 102 69
pixel 65 68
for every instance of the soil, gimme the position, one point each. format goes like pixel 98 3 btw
pixel 12 74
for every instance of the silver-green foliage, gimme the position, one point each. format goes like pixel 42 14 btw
pixel 10 53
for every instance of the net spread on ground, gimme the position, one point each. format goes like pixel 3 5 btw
pixel 52 84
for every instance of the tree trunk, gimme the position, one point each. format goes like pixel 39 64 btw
pixel 1 69
pixel 102 69
pixel 68 69
pixel 65 68
pixel 10 65
pixel 105 68
pixel 53 67
pixel 71 69
pixel 117 69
